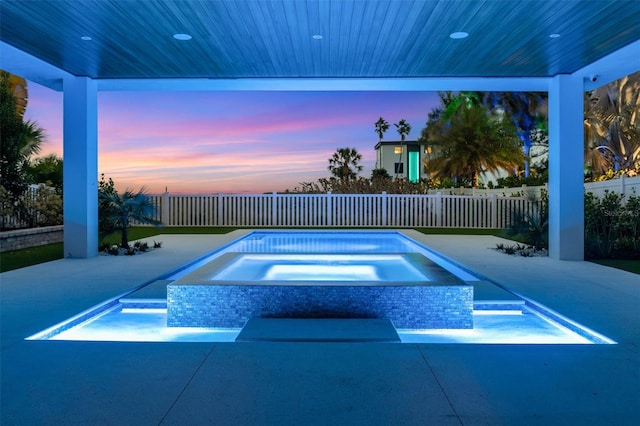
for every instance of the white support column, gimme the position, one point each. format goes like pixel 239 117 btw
pixel 80 167
pixel 566 168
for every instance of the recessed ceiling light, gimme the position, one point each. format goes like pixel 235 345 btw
pixel 554 35
pixel 182 37
pixel 316 37
pixel 458 35
pixel 85 38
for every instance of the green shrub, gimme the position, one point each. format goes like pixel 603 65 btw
pixel 116 212
pixel 531 224
pixel 46 207
pixel 612 226
pixel 513 181
pixel 106 212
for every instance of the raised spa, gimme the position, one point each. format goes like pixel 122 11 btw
pixel 322 267
pixel 406 288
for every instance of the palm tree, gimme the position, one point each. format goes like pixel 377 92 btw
pixel 342 162
pixel 612 126
pixel 526 110
pixel 18 88
pixel 471 142
pixel 403 128
pixel 453 101
pixel 124 209
pixel 19 140
pixel 381 127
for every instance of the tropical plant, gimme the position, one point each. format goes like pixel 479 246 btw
pixel 344 164
pixel 46 170
pixel 403 128
pixel 119 211
pixel 106 211
pixel 531 222
pixel 381 127
pixel 612 126
pixel 43 206
pixel 472 141
pixel 612 226
pixel 377 174
pixel 528 113
pixel 19 140
pixel 452 102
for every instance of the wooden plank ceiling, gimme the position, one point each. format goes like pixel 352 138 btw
pixel 353 38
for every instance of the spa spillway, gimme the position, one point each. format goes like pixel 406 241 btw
pixel 406 288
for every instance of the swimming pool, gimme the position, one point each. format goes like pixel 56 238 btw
pixel 333 242
pixel 505 318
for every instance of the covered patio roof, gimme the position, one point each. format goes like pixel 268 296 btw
pixel 116 41
pixel 85 46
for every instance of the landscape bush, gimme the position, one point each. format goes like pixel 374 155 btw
pixel 530 225
pixel 41 206
pixel 45 208
pixel 612 226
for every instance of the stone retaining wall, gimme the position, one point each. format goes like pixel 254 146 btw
pixel 33 237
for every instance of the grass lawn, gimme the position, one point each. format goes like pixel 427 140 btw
pixel 30 256
pixel 461 231
pixel 16 259
pixel 624 264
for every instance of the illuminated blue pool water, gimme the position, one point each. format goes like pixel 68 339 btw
pixel 335 242
pixel 321 267
pixel 513 320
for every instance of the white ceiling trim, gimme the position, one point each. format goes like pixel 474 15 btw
pixel 329 84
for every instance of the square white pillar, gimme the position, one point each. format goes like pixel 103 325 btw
pixel 80 167
pixel 566 168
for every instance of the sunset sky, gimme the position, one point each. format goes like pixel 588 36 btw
pixel 234 142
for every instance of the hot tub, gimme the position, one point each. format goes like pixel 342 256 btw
pixel 406 288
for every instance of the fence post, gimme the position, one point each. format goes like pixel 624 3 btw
pixel 274 208
pixel 494 211
pixel 329 220
pixel 164 213
pixel 438 209
pixel 220 210
pixel 384 207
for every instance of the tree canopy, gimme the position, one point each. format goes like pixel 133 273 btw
pixel 345 163
pixel 19 139
pixel 471 141
pixel 612 126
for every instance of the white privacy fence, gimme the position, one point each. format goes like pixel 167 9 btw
pixel 623 186
pixel 480 209
pixel 338 210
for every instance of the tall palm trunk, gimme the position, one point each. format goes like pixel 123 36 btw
pixel 124 242
pixel 475 178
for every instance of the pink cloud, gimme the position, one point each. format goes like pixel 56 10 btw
pixel 226 141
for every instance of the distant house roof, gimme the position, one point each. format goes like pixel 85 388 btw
pixel 394 143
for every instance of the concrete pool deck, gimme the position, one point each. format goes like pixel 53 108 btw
pixel 281 383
